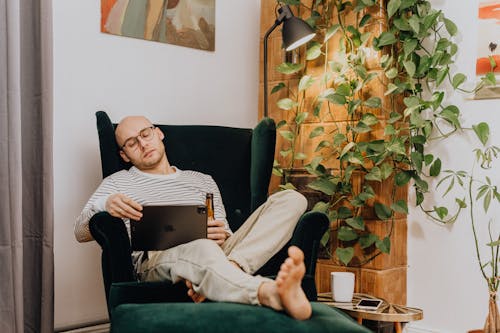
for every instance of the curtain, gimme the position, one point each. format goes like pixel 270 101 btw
pixel 26 198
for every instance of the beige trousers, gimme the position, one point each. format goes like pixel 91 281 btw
pixel 207 265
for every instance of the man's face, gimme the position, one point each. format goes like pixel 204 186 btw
pixel 140 146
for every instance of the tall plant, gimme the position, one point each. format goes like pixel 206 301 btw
pixel 380 140
pixel 483 192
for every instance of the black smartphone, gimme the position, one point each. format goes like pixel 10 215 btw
pixel 369 304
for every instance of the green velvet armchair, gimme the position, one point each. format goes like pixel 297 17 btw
pixel 240 161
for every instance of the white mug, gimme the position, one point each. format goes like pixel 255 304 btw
pixel 342 284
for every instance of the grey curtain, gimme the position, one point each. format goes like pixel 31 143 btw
pixel 26 198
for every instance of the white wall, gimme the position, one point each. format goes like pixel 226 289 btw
pixel 443 276
pixel 95 71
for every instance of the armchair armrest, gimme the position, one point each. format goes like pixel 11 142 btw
pixel 307 236
pixel 110 233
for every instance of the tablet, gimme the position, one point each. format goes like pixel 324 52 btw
pixel 163 227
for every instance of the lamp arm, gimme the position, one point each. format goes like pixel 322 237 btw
pixel 266 37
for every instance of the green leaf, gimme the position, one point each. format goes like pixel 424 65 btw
pixel 344 212
pixel 344 89
pixel 286 152
pixel 391 88
pixel 374 175
pixel 301 117
pixel 367 240
pixel 458 79
pixel 347 147
pixel 369 119
pixel 441 211
pixel 353 105
pixel 373 102
pixel 400 206
pixel 325 238
pixel 402 178
pixel 364 20
pixel 490 78
pixel 442 73
pixel 313 51
pixel 450 27
pixel 391 73
pixel 382 211
pixel 287 135
pixel 493 63
pixel 320 130
pixel 339 138
pixel 278 87
pixel 286 104
pixel 289 68
pixel 392 7
pixel 345 255
pixel 356 222
pixel 280 124
pixel 300 156
pixel 389 130
pixel 414 24
pixel 336 99
pixel 482 131
pixel 323 185
pixel 495 243
pixel 331 31
pixel 410 67
pixel 417 160
pixel 305 82
pixel 386 170
pixel 384 245
pixel 386 38
pixel 435 168
pixel 410 45
pixel 361 127
pixel 347 234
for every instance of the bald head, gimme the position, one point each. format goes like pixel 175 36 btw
pixel 129 127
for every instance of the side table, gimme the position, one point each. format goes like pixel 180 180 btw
pixel 387 312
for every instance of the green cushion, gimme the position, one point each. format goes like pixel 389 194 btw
pixel 226 317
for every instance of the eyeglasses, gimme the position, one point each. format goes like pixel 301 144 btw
pixel 132 143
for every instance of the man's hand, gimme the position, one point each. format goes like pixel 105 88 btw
pixel 216 231
pixel 119 205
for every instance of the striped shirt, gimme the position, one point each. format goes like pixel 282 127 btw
pixel 178 188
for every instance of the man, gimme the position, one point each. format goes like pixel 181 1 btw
pixel 220 267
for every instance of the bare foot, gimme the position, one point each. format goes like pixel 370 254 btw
pixel 197 298
pixel 285 293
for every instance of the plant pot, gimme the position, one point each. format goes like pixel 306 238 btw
pixel 300 178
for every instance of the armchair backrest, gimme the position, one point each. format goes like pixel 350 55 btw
pixel 239 160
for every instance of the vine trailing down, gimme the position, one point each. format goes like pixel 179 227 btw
pixel 376 139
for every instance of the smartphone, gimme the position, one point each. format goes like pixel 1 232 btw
pixel 369 304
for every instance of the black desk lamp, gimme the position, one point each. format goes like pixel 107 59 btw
pixel 295 33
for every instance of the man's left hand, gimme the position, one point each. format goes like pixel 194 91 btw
pixel 216 231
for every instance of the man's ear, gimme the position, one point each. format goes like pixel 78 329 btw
pixel 124 156
pixel 160 133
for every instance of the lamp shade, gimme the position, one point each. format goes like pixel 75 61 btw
pixel 296 33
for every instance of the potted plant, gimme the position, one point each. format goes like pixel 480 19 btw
pixel 376 139
pixel 479 193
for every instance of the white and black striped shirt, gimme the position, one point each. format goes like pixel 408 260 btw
pixel 178 188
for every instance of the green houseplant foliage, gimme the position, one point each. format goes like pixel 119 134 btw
pixel 417 54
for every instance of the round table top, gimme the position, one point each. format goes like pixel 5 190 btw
pixel 385 312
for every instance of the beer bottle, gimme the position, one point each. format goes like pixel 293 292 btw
pixel 209 202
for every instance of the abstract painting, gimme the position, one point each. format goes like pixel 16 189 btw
pixel 488 45
pixel 189 23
